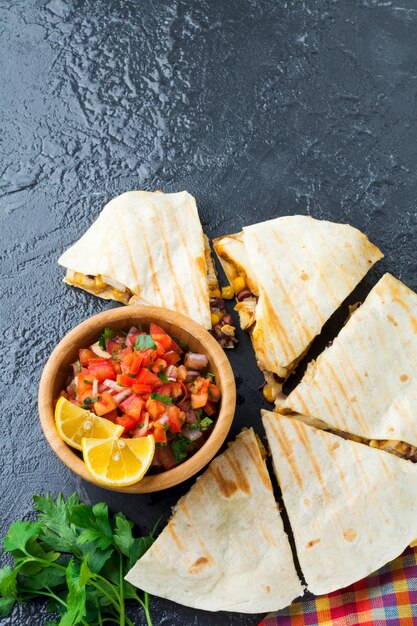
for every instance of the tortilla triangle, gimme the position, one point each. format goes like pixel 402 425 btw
pixel 149 245
pixel 225 547
pixel 352 508
pixel 300 269
pixel 365 383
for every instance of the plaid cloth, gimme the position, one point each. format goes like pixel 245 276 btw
pixel 386 598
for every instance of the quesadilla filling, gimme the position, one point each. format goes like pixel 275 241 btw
pixel 102 286
pixel 145 382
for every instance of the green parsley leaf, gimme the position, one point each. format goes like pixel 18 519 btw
pixel 78 365
pixel 76 598
pixel 89 401
pixel 6 606
pixel 205 423
pixel 19 535
pixel 179 447
pixel 161 398
pixel 108 333
pixel 144 342
pixel 162 376
pixel 211 377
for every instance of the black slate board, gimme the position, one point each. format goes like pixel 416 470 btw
pixel 258 108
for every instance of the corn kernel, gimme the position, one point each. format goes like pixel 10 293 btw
pixel 228 292
pixel 269 393
pixel 216 318
pixel 239 284
pixel 374 443
pixel 215 293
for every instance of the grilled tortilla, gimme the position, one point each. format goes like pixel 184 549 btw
pixel 147 248
pixel 299 271
pixel 225 548
pixel 352 508
pixel 365 383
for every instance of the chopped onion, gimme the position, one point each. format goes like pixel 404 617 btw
pixel 195 361
pixel 191 417
pixel 171 373
pixel 192 375
pixel 118 398
pixel 94 391
pixel 140 432
pixel 191 435
pixel 164 419
pixel 111 384
pixel 132 331
pixel 102 387
pixel 99 351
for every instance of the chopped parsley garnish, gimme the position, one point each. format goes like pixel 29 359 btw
pixel 144 342
pixel 108 333
pixel 132 375
pixel 211 377
pixel 162 376
pixel 78 365
pixel 89 401
pixel 205 423
pixel 87 382
pixel 179 447
pixel 161 398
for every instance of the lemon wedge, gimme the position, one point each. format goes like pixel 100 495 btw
pixel 118 462
pixel 73 423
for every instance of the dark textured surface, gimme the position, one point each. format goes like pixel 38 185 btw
pixel 258 108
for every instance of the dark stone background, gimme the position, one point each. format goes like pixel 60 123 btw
pixel 258 108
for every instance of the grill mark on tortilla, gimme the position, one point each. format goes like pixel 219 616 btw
pixel 395 294
pixel 154 274
pixel 193 528
pixel 198 565
pixel 180 301
pixel 175 537
pixel 129 252
pixel 259 464
pixel 227 487
pixel 286 447
pixel 302 437
pixel 268 537
pixel 403 378
pixel 312 543
pixel 342 390
pixel 349 534
pixel 241 481
pixel 199 295
pixel 283 340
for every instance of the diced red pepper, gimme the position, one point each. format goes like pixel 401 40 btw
pixel 133 406
pixel 101 371
pixel 85 355
pixel 105 404
pixel 141 388
pixel 175 421
pixel 148 378
pixel 125 381
pixel 155 408
pixel 159 433
pixel 127 421
pixel 171 357
pixel 213 392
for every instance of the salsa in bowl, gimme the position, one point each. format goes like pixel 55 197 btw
pixel 149 373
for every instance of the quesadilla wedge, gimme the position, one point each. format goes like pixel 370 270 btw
pixel 365 383
pixel 225 548
pixel 149 248
pixel 290 274
pixel 352 508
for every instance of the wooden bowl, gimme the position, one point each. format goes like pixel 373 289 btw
pixel 192 334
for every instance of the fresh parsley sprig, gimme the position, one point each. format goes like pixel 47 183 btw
pixel 76 556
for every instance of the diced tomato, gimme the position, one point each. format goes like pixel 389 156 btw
pixel 156 409
pixel 85 355
pixel 175 421
pixel 133 406
pixel 199 392
pixel 123 354
pixel 163 343
pixel 148 356
pixel 127 421
pixel 159 433
pixel 178 389
pixel 164 389
pixel 112 346
pixel 112 416
pixel 159 366
pixel 148 378
pixel 116 366
pixel 141 388
pixel 136 362
pixel 125 381
pixel 101 371
pixel 105 404
pixel 97 359
pixel 213 392
pixel 155 329
pixel 171 357
pixel 210 408
pixel 166 457
pixel 84 386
